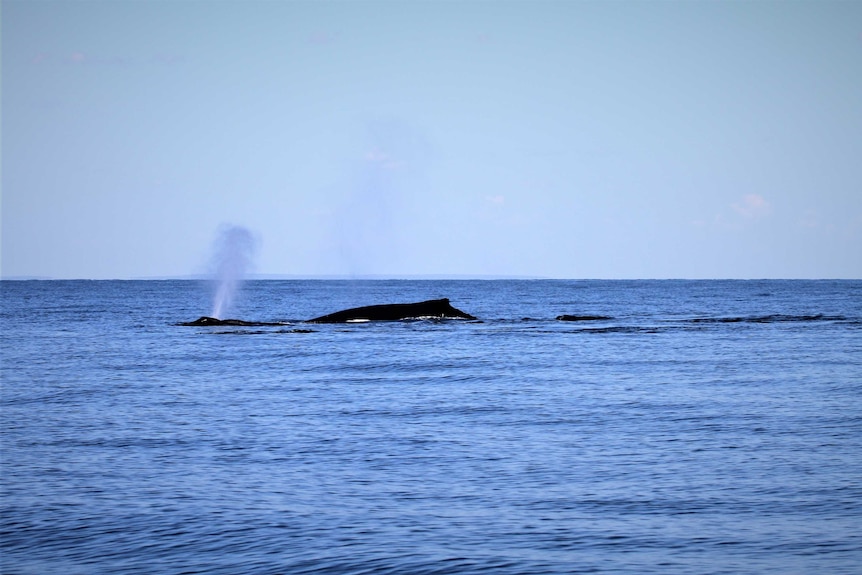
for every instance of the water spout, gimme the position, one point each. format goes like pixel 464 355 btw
pixel 234 250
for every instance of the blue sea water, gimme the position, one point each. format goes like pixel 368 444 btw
pixel 705 427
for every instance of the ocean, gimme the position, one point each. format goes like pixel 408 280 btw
pixel 701 427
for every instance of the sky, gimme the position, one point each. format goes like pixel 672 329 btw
pixel 454 138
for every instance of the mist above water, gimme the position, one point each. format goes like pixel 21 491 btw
pixel 382 193
pixel 233 254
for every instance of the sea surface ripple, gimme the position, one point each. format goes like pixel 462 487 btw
pixel 685 427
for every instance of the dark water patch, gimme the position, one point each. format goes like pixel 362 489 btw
pixel 398 563
pixel 258 332
pixel 583 317
pixel 624 329
pixel 773 318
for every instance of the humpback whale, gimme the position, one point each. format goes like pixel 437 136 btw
pixel 436 308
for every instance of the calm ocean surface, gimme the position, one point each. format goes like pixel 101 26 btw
pixel 707 427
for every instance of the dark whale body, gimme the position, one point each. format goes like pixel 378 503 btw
pixel 207 321
pixel 436 308
pixel 582 317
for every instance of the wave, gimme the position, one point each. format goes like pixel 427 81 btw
pixel 567 317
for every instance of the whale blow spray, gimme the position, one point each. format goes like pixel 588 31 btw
pixel 234 250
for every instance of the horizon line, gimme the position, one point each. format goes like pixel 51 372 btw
pixel 411 277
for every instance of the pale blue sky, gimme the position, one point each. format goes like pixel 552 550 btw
pixel 554 139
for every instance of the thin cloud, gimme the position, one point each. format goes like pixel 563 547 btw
pixel 382 159
pixel 167 58
pixel 752 206
pixel 810 219
pixel 321 38
pixel 88 60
